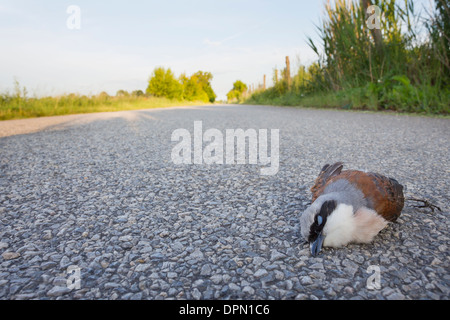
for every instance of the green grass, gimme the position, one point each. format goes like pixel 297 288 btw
pixel 404 66
pixel 19 106
pixel 428 100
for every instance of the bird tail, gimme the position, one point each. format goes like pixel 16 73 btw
pixel 326 173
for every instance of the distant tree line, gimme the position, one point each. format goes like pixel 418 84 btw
pixel 196 87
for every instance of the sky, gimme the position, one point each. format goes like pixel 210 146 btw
pixel 117 44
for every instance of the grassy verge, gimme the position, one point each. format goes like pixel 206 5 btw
pixel 402 63
pixel 18 106
pixel 428 101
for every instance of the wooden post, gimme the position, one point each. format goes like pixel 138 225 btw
pixel 264 85
pixel 288 72
pixel 276 76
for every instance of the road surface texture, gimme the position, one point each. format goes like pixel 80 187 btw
pixel 92 207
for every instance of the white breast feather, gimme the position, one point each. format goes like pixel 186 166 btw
pixel 343 226
pixel 340 226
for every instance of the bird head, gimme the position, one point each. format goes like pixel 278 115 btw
pixel 326 223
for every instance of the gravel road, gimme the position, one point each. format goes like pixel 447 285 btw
pixel 96 198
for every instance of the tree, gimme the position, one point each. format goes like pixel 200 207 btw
pixel 163 83
pixel 137 93
pixel 198 87
pixel 192 90
pixel 240 86
pixel 204 80
pixel 236 93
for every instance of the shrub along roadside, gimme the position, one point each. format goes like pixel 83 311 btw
pixel 18 105
pixel 396 94
pixel 164 90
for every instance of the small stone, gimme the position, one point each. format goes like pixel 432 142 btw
pixel 234 287
pixel 10 255
pixel 306 280
pixel 436 261
pixel 248 290
pixel 111 285
pixel 59 281
pixel 301 296
pixel 275 255
pixel 268 278
pixel 126 245
pixel 196 294
pixel 164 234
pixel 58 291
pixel 349 290
pixel 317 266
pixel 48 265
pixel 409 243
pixel 396 296
pixel 3 245
pixel 25 296
pixel 114 296
pixel 318 275
pixel 206 270
pixel 126 238
pixel 226 278
pixel 258 261
pixel 208 294
pixel 65 262
pixel 157 256
pixel 142 267
pixel 196 255
pixel 330 292
pixel 279 275
pixel 261 273
pixel 216 279
pixel 47 235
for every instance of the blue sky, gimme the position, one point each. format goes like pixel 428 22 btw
pixel 121 42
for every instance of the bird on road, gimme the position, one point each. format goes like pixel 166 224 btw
pixel 349 206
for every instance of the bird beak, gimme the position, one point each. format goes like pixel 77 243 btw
pixel 316 246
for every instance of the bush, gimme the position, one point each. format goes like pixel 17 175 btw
pixel 164 84
pixel 122 93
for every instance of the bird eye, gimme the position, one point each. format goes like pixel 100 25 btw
pixel 319 220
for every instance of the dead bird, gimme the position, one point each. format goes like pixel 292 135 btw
pixel 349 206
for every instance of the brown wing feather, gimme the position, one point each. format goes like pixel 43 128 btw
pixel 384 194
pixel 325 174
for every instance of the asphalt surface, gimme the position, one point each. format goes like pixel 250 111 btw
pixel 93 207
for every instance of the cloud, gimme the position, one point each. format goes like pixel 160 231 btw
pixel 212 43
pixel 221 42
pixel 236 35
